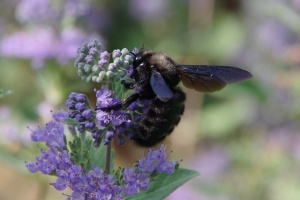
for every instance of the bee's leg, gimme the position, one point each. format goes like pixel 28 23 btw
pixel 127 85
pixel 123 104
pixel 129 100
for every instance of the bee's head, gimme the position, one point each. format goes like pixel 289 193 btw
pixel 137 56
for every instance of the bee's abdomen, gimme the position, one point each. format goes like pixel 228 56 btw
pixel 159 119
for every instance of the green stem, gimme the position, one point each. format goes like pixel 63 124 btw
pixel 107 159
pixel 108 147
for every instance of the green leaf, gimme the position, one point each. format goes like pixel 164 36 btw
pixel 80 147
pixel 5 93
pixel 98 156
pixel 71 122
pixel 165 184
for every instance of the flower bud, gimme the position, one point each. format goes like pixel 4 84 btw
pixel 81 98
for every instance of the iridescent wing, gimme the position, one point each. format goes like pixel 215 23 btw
pixel 159 86
pixel 207 78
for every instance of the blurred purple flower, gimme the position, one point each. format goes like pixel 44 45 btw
pixel 50 12
pixel 185 192
pixel 296 4
pixel 69 41
pixel 276 36
pixel 41 37
pixel 43 110
pixel 42 44
pixel 37 11
pixel 211 164
pixel 11 131
pixel 76 8
pixel 148 10
pixel 38 45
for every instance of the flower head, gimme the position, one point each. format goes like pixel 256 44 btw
pixel 52 134
pixel 114 122
pixel 79 110
pixel 93 183
pixel 94 65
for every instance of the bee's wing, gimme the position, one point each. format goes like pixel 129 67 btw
pixel 207 78
pixel 159 86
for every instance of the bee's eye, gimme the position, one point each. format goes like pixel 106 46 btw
pixel 142 64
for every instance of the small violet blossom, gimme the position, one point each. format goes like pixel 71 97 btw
pixel 115 122
pixel 93 183
pixel 104 123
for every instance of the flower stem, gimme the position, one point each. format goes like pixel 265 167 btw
pixel 108 147
pixel 107 159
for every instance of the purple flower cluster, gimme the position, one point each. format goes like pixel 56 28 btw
pixel 115 122
pixel 93 65
pixel 156 161
pixel 52 134
pixel 95 183
pixel 45 12
pixel 104 124
pixel 79 109
pixel 43 43
pixel 43 36
pixel 137 179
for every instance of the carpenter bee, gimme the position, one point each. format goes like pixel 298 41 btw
pixel 156 77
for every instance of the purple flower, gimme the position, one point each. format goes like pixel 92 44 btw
pixel 110 134
pixel 105 98
pixel 90 125
pixel 157 161
pixel 102 63
pixel 52 135
pixel 69 41
pixel 44 11
pixel 148 11
pixel 94 65
pixel 134 181
pixel 42 44
pixel 97 134
pixel 118 117
pixel 38 135
pixel 60 116
pixel 87 114
pixel 37 45
pixel 104 55
pixel 146 165
pixel 80 98
pixel 47 162
pixel 94 183
pixel 103 118
pixel 116 53
pixel 55 136
pixel 61 183
pixel 78 106
pixel 115 120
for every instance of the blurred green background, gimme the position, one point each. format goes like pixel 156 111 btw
pixel 244 140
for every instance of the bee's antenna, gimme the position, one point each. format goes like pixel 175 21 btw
pixel 142 48
pixel 132 53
